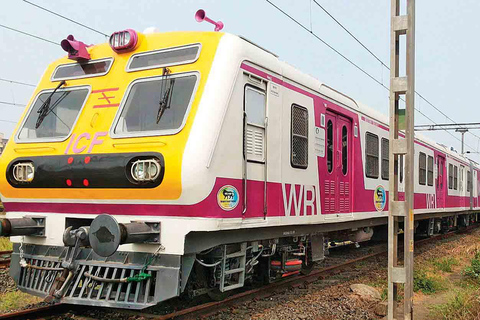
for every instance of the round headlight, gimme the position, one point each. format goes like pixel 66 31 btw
pixel 145 170
pixel 24 172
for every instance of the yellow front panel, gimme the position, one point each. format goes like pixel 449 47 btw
pixel 99 120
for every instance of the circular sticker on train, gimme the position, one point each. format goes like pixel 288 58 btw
pixel 227 197
pixel 380 198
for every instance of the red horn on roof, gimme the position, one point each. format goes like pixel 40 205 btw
pixel 77 50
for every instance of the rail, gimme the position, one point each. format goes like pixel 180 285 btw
pixel 211 308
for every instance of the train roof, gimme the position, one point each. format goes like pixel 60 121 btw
pixel 287 71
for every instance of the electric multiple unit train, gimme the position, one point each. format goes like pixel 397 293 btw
pixel 185 163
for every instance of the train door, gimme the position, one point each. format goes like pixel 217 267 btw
pixel 338 172
pixel 440 185
pixel 254 138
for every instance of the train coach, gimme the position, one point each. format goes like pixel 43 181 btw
pixel 174 164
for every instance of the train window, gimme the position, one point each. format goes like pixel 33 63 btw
pixel 469 181
pixel 329 146
pixel 156 105
pixel 430 171
pixel 422 165
pixel 450 176
pixel 385 159
pixel 299 134
pixel 371 154
pixel 401 167
pixel 92 68
pixel 461 182
pixel 255 131
pixel 455 178
pixel 164 58
pixel 61 115
pixel 344 150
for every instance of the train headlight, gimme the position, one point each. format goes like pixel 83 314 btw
pixel 145 170
pixel 24 172
pixel 123 41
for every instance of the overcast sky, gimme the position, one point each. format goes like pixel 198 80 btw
pixel 446 48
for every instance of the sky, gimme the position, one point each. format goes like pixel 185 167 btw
pixel 446 46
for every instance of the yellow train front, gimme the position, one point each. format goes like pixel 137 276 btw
pixel 95 165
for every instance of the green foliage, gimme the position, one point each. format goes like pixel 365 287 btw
pixel 445 264
pixel 473 270
pixel 463 305
pixel 426 284
pixel 15 300
pixel 5 244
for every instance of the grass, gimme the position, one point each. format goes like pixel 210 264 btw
pixel 445 264
pixel 426 283
pixel 16 299
pixel 462 305
pixel 5 244
pixel 472 271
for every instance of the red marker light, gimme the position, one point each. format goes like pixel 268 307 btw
pixel 70 160
pixel 87 160
pixel 85 182
pixel 69 182
pixel 122 41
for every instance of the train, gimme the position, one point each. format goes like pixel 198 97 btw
pixel 179 164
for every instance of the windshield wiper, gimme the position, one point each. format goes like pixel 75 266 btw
pixel 44 110
pixel 166 95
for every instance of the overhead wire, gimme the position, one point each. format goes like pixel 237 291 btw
pixel 29 34
pixel 13 104
pixel 18 82
pixel 382 62
pixel 357 66
pixel 66 18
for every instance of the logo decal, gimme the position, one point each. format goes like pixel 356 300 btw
pixel 380 198
pixel 227 197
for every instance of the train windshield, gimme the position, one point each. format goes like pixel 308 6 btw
pixel 156 105
pixel 58 121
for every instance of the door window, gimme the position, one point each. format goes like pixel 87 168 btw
pixel 344 150
pixel 255 102
pixel 330 146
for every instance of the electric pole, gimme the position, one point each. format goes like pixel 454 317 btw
pixel 401 25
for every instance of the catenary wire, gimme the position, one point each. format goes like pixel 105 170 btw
pixel 383 63
pixel 66 18
pixel 28 34
pixel 9 121
pixel 18 82
pixel 13 104
pixel 357 66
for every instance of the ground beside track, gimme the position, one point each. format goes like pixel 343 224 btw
pixel 449 294
pixel 331 298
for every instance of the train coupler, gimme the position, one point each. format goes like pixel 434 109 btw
pixel 78 238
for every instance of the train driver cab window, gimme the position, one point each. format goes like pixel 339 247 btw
pixel 430 171
pixel 255 102
pixel 422 165
pixel 156 105
pixel 450 176
pixel 299 137
pixel 52 117
pixel 385 160
pixel 371 155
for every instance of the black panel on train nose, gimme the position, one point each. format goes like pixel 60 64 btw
pixel 110 170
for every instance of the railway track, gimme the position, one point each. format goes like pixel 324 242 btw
pixel 210 308
pixel 5 258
